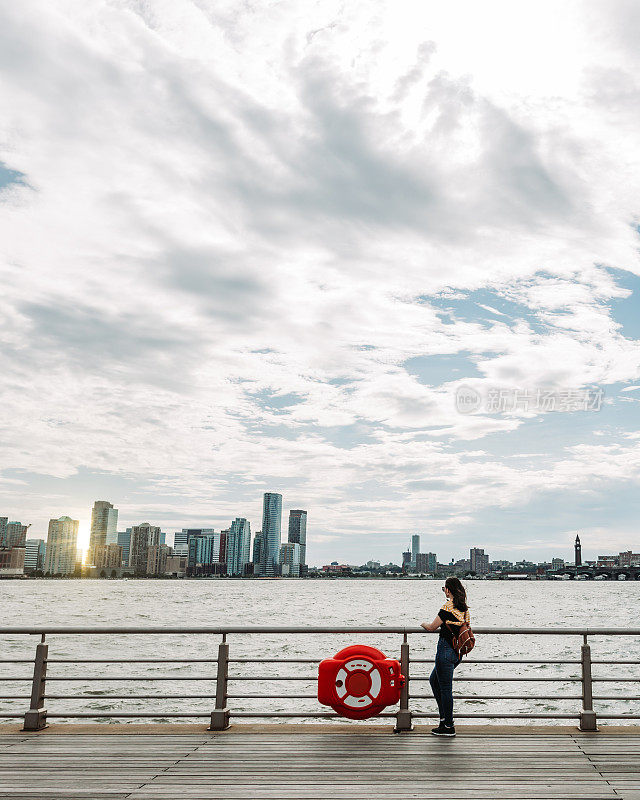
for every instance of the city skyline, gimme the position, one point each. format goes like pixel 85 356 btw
pixel 561 550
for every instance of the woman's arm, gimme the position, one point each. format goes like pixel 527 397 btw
pixel 437 622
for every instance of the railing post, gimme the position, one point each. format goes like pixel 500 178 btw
pixel 587 715
pixel 220 715
pixel 36 717
pixel 403 717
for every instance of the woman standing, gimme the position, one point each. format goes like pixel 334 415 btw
pixel 455 612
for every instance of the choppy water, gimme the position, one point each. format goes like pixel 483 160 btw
pixel 322 603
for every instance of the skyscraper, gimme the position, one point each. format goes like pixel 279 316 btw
pixel 143 537
pixel 257 553
pixel 238 546
pixel 479 561
pixel 124 540
pixel 578 552
pixel 271 532
pixel 34 555
pixel 181 542
pixel 298 534
pixel 181 539
pixel 415 549
pixel 62 546
pixel 3 531
pixel 104 526
pixel 16 534
pixel 205 551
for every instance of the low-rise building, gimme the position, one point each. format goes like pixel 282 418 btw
pixel 176 566
pixel 11 561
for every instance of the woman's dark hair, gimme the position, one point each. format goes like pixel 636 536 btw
pixel 458 592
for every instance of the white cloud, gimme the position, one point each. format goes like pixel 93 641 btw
pixel 222 201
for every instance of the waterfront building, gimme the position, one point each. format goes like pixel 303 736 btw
pixel 176 566
pixel 629 559
pixel 271 534
pixel 557 563
pixel 626 559
pixel 337 569
pixel 224 551
pixel 12 533
pixel 496 566
pixel 181 542
pixel 406 560
pixel 461 566
pixel 298 534
pixel 578 552
pixel 415 549
pixel 426 562
pixel 107 556
pixel 104 527
pixel 257 553
pixel 124 540
pixel 157 559
pixel 34 555
pixel 12 561
pixel 238 546
pixel 143 537
pixel 206 549
pixel 62 546
pixel 479 561
pixel 290 554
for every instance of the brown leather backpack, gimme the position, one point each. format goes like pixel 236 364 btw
pixel 464 642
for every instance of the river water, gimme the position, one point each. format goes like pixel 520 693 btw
pixel 141 603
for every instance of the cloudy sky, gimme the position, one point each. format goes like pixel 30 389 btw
pixel 260 246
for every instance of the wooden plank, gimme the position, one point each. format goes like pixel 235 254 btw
pixel 267 766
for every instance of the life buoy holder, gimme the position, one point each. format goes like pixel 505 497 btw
pixel 359 682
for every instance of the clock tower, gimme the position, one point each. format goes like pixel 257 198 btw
pixel 578 552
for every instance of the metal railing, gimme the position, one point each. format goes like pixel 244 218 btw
pixel 36 716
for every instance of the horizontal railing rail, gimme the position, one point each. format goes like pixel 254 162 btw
pixel 37 715
pixel 37 630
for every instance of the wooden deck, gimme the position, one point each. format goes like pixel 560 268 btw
pixel 289 763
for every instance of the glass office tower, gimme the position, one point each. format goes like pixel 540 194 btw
pixel 298 534
pixel 271 527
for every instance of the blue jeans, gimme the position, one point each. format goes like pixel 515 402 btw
pixel 441 679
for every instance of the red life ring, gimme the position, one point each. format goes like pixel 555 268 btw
pixel 359 682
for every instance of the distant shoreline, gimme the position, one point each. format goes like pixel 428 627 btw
pixel 524 578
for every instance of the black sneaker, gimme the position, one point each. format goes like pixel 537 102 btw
pixel 444 730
